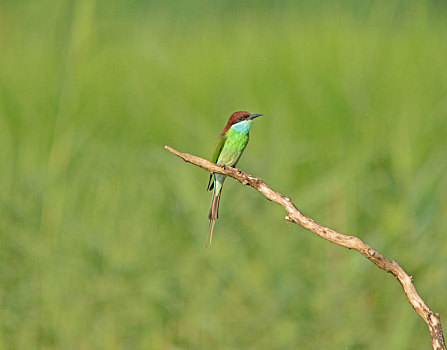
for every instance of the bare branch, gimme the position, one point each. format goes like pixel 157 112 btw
pixel 431 318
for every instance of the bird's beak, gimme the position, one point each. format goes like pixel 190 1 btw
pixel 253 116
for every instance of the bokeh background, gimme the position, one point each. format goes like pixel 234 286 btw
pixel 102 231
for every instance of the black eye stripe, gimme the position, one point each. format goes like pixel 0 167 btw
pixel 238 119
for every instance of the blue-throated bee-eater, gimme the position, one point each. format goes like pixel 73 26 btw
pixel 230 145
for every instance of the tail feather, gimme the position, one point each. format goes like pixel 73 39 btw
pixel 210 183
pixel 213 216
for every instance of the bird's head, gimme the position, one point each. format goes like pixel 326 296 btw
pixel 241 116
pixel 240 120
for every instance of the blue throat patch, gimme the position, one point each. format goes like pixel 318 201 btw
pixel 243 127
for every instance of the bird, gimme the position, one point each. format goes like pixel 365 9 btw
pixel 230 145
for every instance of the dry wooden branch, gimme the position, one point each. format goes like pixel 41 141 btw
pixel 431 318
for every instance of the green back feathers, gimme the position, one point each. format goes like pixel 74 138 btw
pixel 217 150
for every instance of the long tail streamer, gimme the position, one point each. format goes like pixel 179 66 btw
pixel 213 216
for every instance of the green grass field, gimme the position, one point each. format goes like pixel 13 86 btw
pixel 102 231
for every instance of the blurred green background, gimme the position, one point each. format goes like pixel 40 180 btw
pixel 102 231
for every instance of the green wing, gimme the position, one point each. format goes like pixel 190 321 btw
pixel 219 146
